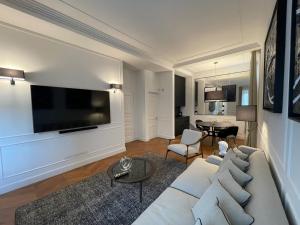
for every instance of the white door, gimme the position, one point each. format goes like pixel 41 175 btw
pixel 152 115
pixel 129 119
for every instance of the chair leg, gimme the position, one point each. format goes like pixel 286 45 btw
pixel 202 154
pixel 166 154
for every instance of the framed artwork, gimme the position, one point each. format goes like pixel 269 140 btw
pixel 274 60
pixel 294 89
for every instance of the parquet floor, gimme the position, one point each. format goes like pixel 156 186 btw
pixel 10 201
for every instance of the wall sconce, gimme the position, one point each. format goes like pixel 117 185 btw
pixel 116 87
pixel 12 75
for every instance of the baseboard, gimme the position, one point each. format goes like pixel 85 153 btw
pixel 166 137
pixel 62 169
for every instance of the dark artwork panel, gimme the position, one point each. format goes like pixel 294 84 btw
pixel 270 65
pixel 274 60
pixel 294 101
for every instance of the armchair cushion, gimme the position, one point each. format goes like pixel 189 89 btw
pixel 190 137
pixel 182 149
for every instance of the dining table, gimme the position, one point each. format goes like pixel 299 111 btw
pixel 213 127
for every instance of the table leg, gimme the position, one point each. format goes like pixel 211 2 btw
pixel 141 191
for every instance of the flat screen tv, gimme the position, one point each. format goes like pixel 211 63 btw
pixel 56 108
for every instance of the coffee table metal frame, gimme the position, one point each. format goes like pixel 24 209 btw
pixel 135 179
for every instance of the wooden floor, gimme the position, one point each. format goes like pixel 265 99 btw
pixel 10 201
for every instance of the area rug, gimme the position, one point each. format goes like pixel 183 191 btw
pixel 93 201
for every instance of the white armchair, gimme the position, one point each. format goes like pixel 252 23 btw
pixel 189 146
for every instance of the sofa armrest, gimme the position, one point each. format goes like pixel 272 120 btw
pixel 213 159
pixel 247 149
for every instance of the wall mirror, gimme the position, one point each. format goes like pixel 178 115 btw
pixel 219 94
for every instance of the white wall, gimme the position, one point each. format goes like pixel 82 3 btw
pixel 279 137
pixel 131 103
pixel 166 114
pixel 27 157
pixel 160 84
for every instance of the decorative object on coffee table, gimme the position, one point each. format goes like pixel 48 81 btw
pixel 274 60
pixel 125 163
pixel 294 89
pixel 140 170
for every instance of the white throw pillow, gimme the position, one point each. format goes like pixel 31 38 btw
pixel 233 188
pixel 239 176
pixel 235 213
pixel 212 215
pixel 243 165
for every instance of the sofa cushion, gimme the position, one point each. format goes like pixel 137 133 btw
pixel 213 159
pixel 243 165
pixel 240 154
pixel 247 149
pixel 212 214
pixel 182 149
pixel 171 207
pixel 265 204
pixel 235 213
pixel 233 188
pixel 195 179
pixel 242 178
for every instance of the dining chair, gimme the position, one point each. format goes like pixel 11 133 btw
pixel 189 146
pixel 228 133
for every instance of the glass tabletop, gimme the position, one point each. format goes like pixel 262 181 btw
pixel 140 170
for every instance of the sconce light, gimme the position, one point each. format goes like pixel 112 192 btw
pixel 12 75
pixel 116 87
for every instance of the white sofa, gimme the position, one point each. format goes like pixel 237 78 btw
pixel 173 206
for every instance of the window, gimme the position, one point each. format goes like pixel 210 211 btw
pixel 245 96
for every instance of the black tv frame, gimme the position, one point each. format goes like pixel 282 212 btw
pixel 68 129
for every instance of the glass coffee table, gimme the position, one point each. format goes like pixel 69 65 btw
pixel 141 170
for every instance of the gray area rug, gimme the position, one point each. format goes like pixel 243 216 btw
pixel 92 201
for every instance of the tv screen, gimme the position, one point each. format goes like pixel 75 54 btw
pixel 55 108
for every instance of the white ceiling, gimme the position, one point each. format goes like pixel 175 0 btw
pixel 234 60
pixel 177 29
pixel 164 33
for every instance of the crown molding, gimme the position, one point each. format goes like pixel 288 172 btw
pixel 44 12
pixel 238 49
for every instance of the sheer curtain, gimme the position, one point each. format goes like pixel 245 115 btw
pixel 254 73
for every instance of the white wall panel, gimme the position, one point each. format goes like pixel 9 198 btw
pixel 279 137
pixel 27 157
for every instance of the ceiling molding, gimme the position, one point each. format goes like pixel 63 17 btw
pixel 184 72
pixel 244 67
pixel 239 49
pixel 48 14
